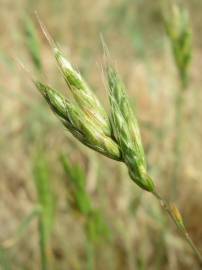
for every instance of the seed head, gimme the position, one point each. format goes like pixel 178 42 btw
pixel 117 136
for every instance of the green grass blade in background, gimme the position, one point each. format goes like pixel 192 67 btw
pixel 46 202
pixel 80 202
pixel 4 261
pixel 77 186
pixel 95 227
pixel 32 43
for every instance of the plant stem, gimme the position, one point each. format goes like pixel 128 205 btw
pixel 90 255
pixel 179 104
pixel 176 218
pixel 43 245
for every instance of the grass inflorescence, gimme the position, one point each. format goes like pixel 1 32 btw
pixel 115 135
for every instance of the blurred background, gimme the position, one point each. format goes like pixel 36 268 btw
pixel 64 206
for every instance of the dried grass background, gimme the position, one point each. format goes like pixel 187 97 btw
pixel 141 239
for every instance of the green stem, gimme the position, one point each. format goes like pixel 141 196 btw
pixel 167 207
pixel 90 245
pixel 90 255
pixel 43 245
pixel 177 146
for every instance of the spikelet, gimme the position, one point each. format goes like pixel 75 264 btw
pixel 118 91
pixel 126 132
pixel 76 121
pixel 83 95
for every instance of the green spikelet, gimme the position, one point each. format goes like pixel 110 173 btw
pixel 83 95
pixel 118 91
pixel 126 131
pixel 81 126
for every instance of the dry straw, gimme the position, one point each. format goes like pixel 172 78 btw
pixel 116 135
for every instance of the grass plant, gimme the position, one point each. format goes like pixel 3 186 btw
pixel 115 135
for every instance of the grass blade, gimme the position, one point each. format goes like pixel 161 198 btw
pixel 32 43
pixel 46 202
